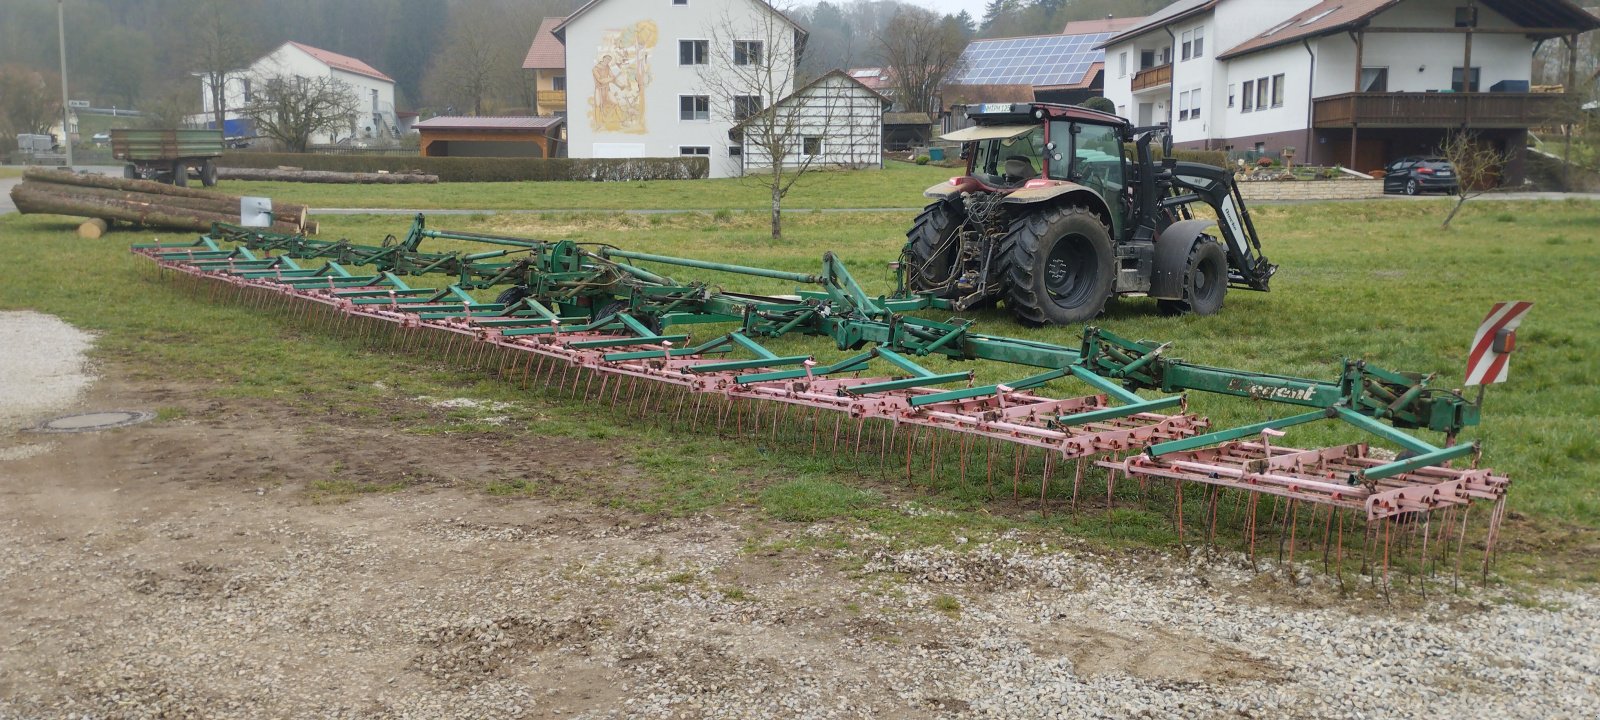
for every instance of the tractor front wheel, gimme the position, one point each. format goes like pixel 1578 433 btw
pixel 1205 282
pixel 933 249
pixel 1060 266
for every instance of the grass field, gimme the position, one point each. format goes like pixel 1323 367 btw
pixel 898 185
pixel 1376 281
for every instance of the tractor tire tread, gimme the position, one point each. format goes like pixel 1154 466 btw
pixel 1020 252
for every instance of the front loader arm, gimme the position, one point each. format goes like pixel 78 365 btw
pixel 1215 187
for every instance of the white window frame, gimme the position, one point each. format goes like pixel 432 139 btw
pixel 760 105
pixel 1122 64
pixel 761 52
pixel 680 3
pixel 1232 94
pixel 705 57
pixel 1183 106
pixel 1279 92
pixel 1199 42
pixel 1187 44
pixel 822 148
pixel 696 110
pixel 694 150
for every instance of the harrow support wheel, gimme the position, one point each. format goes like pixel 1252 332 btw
pixel 1060 266
pixel 932 249
pixel 1205 282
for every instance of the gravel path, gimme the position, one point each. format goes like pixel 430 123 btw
pixel 42 367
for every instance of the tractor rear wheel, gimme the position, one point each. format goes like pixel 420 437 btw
pixel 932 250
pixel 1205 281
pixel 1060 266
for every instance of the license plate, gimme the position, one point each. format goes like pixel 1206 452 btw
pixel 1445 173
pixel 987 108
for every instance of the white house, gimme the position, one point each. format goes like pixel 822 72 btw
pixel 834 121
pixel 636 75
pixel 1351 82
pixel 373 91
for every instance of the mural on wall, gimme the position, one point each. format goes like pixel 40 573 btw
pixel 621 75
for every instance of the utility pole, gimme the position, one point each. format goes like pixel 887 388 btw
pixel 66 109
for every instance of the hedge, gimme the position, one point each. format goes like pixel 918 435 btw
pixel 471 169
pixel 1218 158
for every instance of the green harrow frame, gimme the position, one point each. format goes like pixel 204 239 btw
pixel 598 312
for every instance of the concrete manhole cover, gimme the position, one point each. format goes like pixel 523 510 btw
pixel 95 421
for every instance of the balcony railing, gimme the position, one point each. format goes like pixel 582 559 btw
pixel 1153 77
pixel 1400 110
pixel 553 98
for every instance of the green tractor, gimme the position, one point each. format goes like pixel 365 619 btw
pixel 1053 218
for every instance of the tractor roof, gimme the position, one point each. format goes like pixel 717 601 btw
pixel 1029 113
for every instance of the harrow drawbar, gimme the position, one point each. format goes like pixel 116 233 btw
pixel 568 316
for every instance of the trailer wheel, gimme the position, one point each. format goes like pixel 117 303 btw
pixel 1205 282
pixel 931 251
pixel 208 173
pixel 512 295
pixel 180 174
pixel 1059 266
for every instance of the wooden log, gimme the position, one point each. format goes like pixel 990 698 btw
pixel 145 187
pixel 221 204
pixel 33 200
pixel 93 228
pixel 323 176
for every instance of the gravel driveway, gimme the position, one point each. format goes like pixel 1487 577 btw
pixel 201 567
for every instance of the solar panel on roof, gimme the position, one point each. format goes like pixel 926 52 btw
pixel 1041 61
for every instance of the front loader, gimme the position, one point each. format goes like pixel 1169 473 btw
pixel 1053 218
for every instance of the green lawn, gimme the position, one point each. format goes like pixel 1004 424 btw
pixel 1377 281
pixel 898 185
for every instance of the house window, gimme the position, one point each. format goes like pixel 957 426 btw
pixel 694 150
pixel 1262 93
pixel 693 52
pixel 1232 91
pixel 1122 64
pixel 694 107
pixel 247 96
pixel 1277 90
pixel 745 105
pixel 735 151
pixel 811 146
pixel 1200 42
pixel 1466 16
pixel 1189 105
pixel 1456 84
pixel 680 2
pixel 1147 59
pixel 747 52
pixel 1183 105
pixel 1249 95
pixel 1188 45
pixel 1166 55
pixel 1374 79
pixel 559 82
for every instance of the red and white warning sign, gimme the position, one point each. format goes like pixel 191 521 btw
pixel 1492 346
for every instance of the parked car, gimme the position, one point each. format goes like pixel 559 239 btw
pixel 1417 175
pixel 101 138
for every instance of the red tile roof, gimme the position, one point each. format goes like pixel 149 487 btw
pixel 342 62
pixel 519 122
pixel 546 53
pixel 1331 16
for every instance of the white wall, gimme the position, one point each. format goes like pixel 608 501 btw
pixel 658 131
pixel 847 117
pixel 1424 61
pixel 1294 64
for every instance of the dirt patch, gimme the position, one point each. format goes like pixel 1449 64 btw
pixel 43 367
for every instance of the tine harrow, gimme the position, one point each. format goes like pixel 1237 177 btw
pixel 567 315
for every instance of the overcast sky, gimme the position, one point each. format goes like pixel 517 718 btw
pixel 975 7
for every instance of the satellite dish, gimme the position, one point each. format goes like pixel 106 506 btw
pixel 255 212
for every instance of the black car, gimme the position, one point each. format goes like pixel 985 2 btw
pixel 1417 175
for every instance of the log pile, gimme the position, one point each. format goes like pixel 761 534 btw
pixel 105 200
pixel 323 176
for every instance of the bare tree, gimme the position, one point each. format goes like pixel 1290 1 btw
pixel 291 109
pixel 1478 164
pixel 750 65
pixel 483 64
pixel 172 105
pixel 921 51
pixel 220 47
pixel 29 101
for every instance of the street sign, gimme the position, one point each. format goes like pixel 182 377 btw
pixel 77 103
pixel 1488 361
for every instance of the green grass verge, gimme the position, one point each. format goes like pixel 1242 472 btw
pixel 1377 281
pixel 898 185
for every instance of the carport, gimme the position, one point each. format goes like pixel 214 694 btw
pixel 520 136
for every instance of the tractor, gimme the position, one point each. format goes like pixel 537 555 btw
pixel 1053 218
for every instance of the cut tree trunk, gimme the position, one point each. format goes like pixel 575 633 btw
pixel 93 228
pixel 147 187
pixel 32 198
pixel 220 204
pixel 323 176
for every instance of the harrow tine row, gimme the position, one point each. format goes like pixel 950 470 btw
pixel 582 323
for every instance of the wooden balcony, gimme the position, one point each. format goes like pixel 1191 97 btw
pixel 1413 109
pixel 553 98
pixel 1154 77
